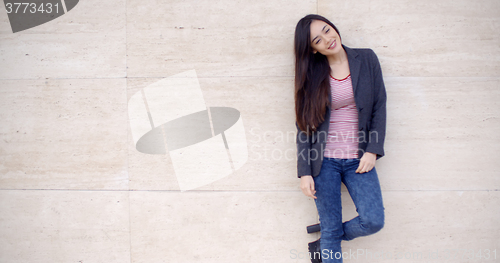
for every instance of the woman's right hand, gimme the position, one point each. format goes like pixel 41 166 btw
pixel 307 186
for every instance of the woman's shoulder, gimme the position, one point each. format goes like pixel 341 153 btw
pixel 364 54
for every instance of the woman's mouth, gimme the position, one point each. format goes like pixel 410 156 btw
pixel 333 44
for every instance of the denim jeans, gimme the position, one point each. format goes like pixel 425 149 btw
pixel 364 189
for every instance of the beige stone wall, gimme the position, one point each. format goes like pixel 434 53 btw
pixel 73 188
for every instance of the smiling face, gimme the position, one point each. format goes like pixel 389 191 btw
pixel 324 39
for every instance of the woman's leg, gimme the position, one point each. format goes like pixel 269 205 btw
pixel 365 192
pixel 329 205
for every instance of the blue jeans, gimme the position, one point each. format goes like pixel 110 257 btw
pixel 364 189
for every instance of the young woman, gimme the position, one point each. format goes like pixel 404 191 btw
pixel 340 105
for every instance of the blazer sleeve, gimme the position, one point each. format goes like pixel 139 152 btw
pixel 376 133
pixel 303 148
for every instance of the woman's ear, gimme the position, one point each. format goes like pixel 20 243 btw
pixel 314 51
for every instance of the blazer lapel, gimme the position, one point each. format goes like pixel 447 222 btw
pixel 354 66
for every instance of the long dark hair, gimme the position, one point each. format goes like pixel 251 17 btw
pixel 311 77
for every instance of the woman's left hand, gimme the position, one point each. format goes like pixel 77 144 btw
pixel 367 162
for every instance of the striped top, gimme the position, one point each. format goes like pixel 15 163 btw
pixel 342 139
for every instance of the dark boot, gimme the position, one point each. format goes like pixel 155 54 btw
pixel 315 251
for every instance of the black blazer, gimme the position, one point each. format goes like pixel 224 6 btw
pixel 370 97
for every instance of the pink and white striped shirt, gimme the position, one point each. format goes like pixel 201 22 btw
pixel 342 139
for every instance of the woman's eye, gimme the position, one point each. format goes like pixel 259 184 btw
pixel 328 30
pixel 317 42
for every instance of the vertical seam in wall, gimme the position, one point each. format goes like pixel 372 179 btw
pixel 129 226
pixel 128 161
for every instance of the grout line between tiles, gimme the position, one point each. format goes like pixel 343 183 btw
pixel 260 77
pixel 129 228
pixel 128 133
pixel 146 77
pixel 241 191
